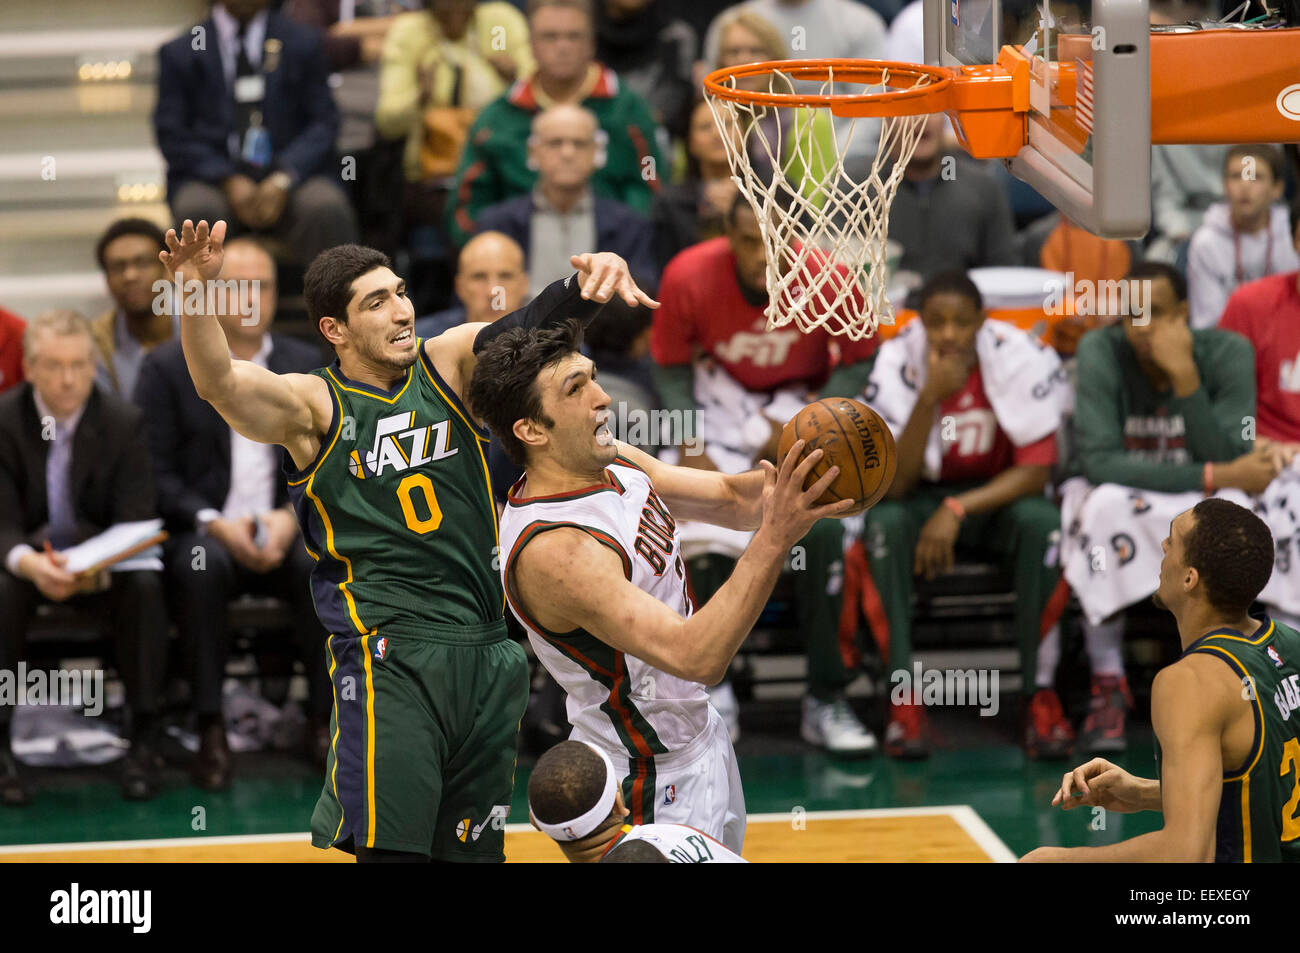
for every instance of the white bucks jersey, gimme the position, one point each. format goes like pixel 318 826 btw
pixel 679 843
pixel 624 705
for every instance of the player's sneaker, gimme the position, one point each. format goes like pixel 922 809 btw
pixel 723 698
pixel 833 725
pixel 1048 735
pixel 908 733
pixel 1103 729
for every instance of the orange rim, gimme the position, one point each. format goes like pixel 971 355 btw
pixel 931 97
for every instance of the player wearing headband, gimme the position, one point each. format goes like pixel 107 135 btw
pixel 574 798
pixel 592 568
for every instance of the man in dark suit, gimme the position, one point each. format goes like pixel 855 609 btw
pixel 226 504
pixel 562 216
pixel 246 121
pixel 73 462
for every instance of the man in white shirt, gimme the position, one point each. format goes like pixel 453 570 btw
pixel 227 508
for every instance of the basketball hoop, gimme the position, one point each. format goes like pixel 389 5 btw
pixel 825 236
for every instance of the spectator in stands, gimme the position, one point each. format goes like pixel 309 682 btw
pixel 717 364
pixel 948 212
pixel 490 283
pixel 441 66
pixel 562 216
pixel 73 463
pixel 246 123
pixel 802 136
pixel 818 29
pixel 11 350
pixel 1160 415
pixel 974 405
pixel 225 497
pixel 1245 238
pixel 1267 313
pixel 140 318
pixel 653 54
pixel 494 166
pixel 687 213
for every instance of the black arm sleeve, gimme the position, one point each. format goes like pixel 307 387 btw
pixel 559 301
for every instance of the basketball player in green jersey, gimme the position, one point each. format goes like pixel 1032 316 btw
pixel 391 489
pixel 1226 714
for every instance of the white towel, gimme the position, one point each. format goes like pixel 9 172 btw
pixel 1112 534
pixel 1022 377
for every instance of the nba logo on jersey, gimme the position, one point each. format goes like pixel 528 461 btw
pixel 381 649
pixel 670 794
pixel 1277 659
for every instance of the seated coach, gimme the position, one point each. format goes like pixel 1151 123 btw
pixel 225 500
pixel 74 462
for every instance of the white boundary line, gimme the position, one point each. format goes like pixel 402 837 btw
pixel 963 814
pixel 982 834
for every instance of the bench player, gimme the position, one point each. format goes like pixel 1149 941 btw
pixel 574 798
pixel 391 490
pixel 1226 714
pixel 593 570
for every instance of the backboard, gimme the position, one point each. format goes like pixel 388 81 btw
pixel 1089 116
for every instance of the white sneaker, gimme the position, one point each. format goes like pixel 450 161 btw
pixel 723 698
pixel 833 726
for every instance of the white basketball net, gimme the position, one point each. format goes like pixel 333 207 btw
pixel 814 223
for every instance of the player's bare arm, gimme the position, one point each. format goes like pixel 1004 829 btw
pixel 568 580
pixel 601 276
pixel 1193 707
pixel 730 500
pixel 292 410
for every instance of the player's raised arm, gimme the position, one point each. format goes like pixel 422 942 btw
pixel 730 500
pixel 599 276
pixel 263 406
pixel 1189 709
pixel 568 579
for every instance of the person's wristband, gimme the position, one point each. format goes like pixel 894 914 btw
pixel 1207 479
pixel 955 505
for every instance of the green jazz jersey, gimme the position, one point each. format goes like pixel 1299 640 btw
pixel 397 511
pixel 1259 809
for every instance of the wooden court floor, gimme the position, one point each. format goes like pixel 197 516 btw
pixel 891 835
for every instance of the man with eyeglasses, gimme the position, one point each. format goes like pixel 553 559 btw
pixel 140 318
pixel 561 215
pixel 493 165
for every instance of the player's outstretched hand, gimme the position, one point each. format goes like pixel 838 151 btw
pixel 789 510
pixel 198 250
pixel 605 274
pixel 1099 783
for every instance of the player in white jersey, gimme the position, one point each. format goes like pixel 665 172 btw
pixel 574 797
pixel 592 569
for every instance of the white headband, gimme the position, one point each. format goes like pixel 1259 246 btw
pixel 580 827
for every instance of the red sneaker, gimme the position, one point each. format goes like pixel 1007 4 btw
pixel 1103 729
pixel 908 733
pixel 1048 735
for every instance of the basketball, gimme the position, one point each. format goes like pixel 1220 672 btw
pixel 851 436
